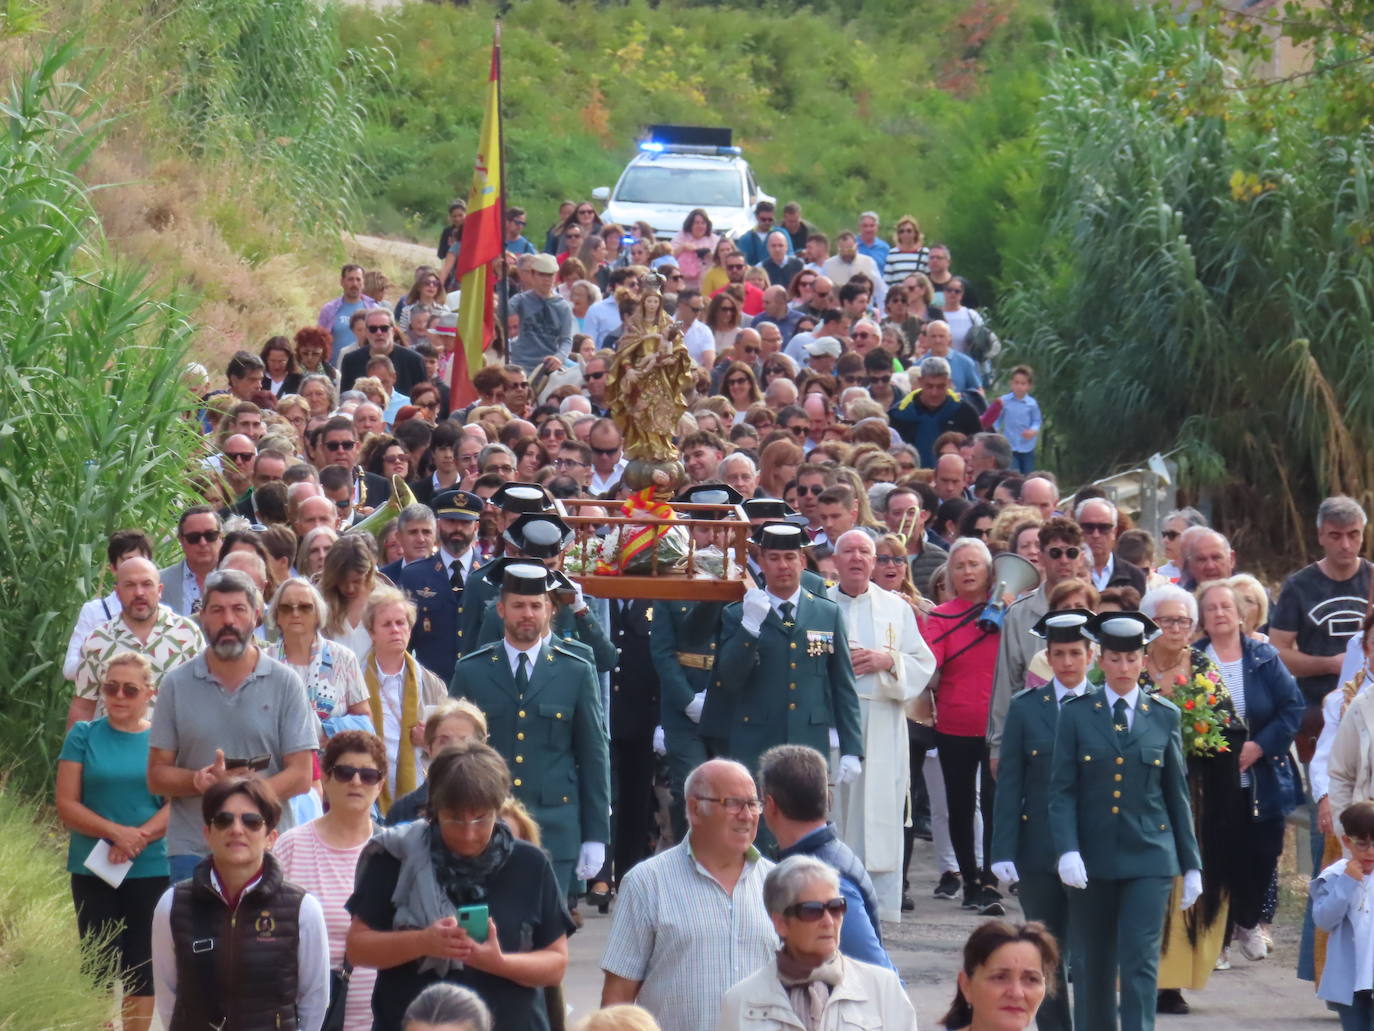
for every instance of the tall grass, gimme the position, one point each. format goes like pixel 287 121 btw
pixel 42 982
pixel 1201 278
pixel 91 433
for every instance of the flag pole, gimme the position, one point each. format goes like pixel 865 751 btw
pixel 504 310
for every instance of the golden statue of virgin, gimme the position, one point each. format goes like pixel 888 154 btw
pixel 644 388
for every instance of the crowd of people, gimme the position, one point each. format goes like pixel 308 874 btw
pixel 372 709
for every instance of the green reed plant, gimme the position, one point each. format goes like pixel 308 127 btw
pixel 92 437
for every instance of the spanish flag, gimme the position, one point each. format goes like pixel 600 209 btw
pixel 483 233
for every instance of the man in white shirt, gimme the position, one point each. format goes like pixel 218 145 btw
pixel 696 337
pixel 603 317
pixel 122 544
pixel 608 455
pixel 848 263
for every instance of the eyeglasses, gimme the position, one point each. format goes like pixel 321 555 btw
pixel 980 534
pixel 888 560
pixel 1170 535
pixel 516 221
pixel 586 211
pixel 433 406
pixel 594 375
pixel 196 537
pixel 568 463
pixel 519 384
pixel 734 266
pixel 344 505
pixel 729 309
pixel 814 489
pixel 852 381
pixel 379 329
pixel 499 467
pixel 224 819
pixel 449 821
pixel 736 381
pixel 606 452
pixel 877 381
pixel 953 290
pixel 292 608
pixel 810 912
pixel 120 690
pixel 734 806
pixel 340 445
pixel 1177 622
pixel 1361 844
pixel 395 459
pixel 765 220
pixel 1058 553
pixel 344 774
pixel 239 456
pixel 1102 528
pixel 698 308
pixel 674 275
pixel 863 334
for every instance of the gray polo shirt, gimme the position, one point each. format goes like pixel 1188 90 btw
pixel 266 715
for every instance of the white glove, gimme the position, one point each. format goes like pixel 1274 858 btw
pixel 1192 888
pixel 660 747
pixel 694 707
pixel 579 603
pixel 590 859
pixel 1072 871
pixel 850 768
pixel 834 738
pixel 756 607
pixel 1006 872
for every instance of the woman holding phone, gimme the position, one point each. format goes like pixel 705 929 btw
pixel 482 909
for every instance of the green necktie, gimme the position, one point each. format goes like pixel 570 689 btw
pixel 786 608
pixel 1119 716
pixel 522 675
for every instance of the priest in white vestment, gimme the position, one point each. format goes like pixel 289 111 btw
pixel 892 665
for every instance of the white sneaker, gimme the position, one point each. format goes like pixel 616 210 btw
pixel 1224 960
pixel 1251 943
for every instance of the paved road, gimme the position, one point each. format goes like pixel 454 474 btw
pixel 1264 996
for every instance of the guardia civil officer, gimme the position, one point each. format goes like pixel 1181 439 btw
pixel 543 709
pixel 514 500
pixel 436 583
pixel 693 713
pixel 1022 848
pixel 1122 827
pixel 784 662
pixel 770 510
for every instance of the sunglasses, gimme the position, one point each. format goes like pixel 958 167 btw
pixel 344 774
pixel 586 211
pixel 863 335
pixel 206 536
pixel 1068 553
pixel 343 506
pixel 239 456
pixel 799 431
pixel 980 534
pixel 1103 528
pixel 516 221
pixel 224 819
pixel 814 489
pixel 877 381
pixel 379 329
pixel 340 445
pixel 810 912
pixel 606 452
pixel 734 266
pixel 888 560
pixel 1170 535
pixel 853 381
pixel 395 459
pixel 291 608
pixel 432 405
pixel 750 350
pixel 120 690
pixel 738 381
pixel 595 375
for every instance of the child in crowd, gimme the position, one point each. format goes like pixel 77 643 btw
pixel 1341 907
pixel 1019 419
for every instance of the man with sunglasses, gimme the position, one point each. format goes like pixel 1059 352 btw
pixel 227 710
pixel 793 781
pixel 198 533
pixel 608 455
pixel 735 268
pixel 337 444
pixel 753 245
pixel 1096 517
pixel 143 625
pixel 515 242
pixel 381 342
pixel 235 463
pixel 1061 555
pixel 212 969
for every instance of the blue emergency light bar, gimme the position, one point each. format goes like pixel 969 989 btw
pixel 688 139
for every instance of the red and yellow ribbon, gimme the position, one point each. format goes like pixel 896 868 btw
pixel 639 538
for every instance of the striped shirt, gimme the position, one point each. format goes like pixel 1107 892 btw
pixel 901 264
pixel 687 941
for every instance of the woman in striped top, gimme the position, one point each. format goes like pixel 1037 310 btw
pixel 908 255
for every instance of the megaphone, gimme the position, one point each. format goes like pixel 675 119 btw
pixel 1011 574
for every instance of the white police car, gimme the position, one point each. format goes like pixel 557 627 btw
pixel 678 168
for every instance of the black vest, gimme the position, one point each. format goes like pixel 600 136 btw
pixel 236 970
pixel 824 844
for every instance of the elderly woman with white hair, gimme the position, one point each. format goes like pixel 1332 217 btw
pixel 331 674
pixel 809 984
pixel 965 659
pixel 1193 942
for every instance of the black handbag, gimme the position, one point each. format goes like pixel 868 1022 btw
pixel 338 998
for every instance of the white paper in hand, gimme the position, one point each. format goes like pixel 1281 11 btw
pixel 98 862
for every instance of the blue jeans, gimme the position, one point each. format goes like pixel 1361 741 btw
pixel 1023 462
pixel 1359 1015
pixel 181 867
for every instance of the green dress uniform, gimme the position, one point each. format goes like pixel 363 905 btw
pixel 1021 810
pixel 553 737
pixel 582 627
pixel 789 684
pixel 683 644
pixel 1119 798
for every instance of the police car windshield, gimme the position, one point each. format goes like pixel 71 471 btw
pixel 690 187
